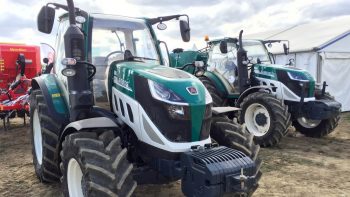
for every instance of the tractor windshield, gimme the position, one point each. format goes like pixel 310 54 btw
pixel 256 50
pixel 113 35
pixel 226 64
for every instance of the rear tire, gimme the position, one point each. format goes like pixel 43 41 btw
pixel 95 165
pixel 227 133
pixel 266 117
pixel 44 135
pixel 217 100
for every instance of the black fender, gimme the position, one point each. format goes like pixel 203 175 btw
pixel 99 118
pixel 217 82
pixel 252 90
pixel 89 123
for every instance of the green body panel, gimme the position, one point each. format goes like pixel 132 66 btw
pixel 122 77
pixel 265 71
pixel 268 71
pixel 55 93
pixel 181 59
pixel 85 29
pixel 197 115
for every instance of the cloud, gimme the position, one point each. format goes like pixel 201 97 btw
pixel 217 18
pixel 324 11
pixel 26 2
pixel 174 3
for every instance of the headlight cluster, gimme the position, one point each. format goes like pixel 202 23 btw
pixel 162 93
pixel 297 76
pixel 178 112
pixel 174 104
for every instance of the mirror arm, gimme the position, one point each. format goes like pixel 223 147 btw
pixel 166 47
pixel 64 7
pixel 153 21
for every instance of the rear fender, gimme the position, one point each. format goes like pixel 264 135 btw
pixel 219 85
pixel 53 97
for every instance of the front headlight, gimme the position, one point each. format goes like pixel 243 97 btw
pixel 178 112
pixel 162 93
pixel 174 104
pixel 298 76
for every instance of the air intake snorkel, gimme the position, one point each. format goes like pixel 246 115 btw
pixel 242 65
pixel 80 93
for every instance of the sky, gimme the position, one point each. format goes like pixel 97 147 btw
pixel 215 18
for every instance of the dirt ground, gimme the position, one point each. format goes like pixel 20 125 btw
pixel 299 166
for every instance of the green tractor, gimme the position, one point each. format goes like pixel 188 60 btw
pixel 271 97
pixel 110 115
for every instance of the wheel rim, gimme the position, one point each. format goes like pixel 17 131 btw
pixel 74 178
pixel 257 119
pixel 308 123
pixel 38 143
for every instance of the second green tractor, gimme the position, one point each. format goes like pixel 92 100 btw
pixel 242 73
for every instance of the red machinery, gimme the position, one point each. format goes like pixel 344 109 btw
pixel 9 70
pixel 18 64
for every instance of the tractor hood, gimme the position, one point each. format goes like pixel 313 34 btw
pixel 292 77
pixel 173 99
pixel 271 71
pixel 183 84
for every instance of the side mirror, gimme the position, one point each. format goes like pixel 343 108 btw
pixel 285 49
pixel 185 31
pixel 223 46
pixel 46 18
pixel 46 60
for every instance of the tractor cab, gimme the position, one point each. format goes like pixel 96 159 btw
pixel 222 59
pixel 116 38
pixel 113 39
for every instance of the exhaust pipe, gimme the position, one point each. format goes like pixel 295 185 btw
pixel 242 61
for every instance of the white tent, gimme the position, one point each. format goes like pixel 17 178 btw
pixel 322 48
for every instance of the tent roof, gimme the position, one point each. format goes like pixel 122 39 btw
pixel 307 37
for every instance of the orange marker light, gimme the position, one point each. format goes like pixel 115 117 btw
pixel 206 38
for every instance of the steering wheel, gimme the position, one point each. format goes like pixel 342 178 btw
pixel 112 53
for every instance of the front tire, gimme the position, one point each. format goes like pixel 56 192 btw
pixel 95 165
pixel 44 134
pixel 266 117
pixel 321 129
pixel 317 128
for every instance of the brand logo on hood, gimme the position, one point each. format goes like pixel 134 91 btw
pixel 192 90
